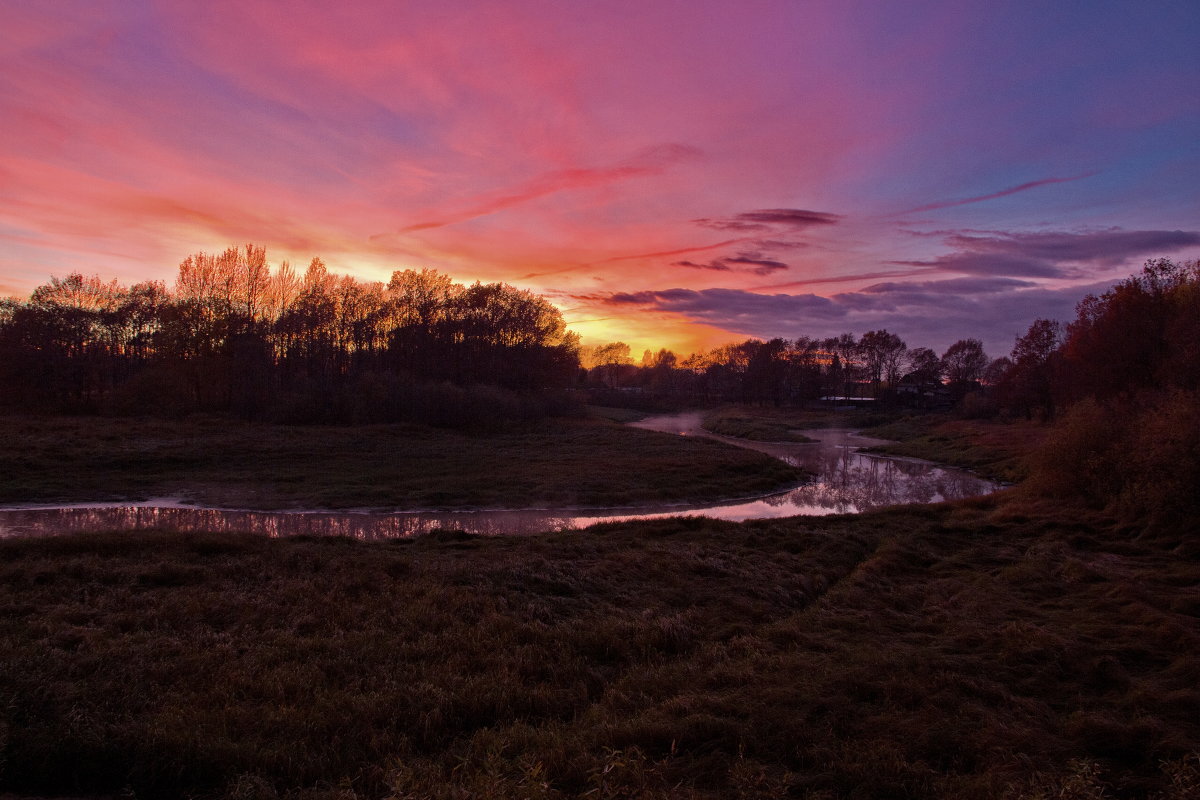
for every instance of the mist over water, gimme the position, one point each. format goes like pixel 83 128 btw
pixel 847 481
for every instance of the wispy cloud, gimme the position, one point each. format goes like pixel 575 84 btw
pixel 634 257
pixel 752 263
pixel 769 218
pixel 856 277
pixel 994 195
pixel 651 161
pixel 1053 254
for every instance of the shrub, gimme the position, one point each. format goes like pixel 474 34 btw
pixel 1078 457
pixel 1161 466
pixel 977 405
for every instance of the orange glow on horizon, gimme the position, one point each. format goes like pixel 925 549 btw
pixel 679 336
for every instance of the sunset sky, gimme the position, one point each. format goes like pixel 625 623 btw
pixel 678 174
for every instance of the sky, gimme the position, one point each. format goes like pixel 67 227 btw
pixel 669 174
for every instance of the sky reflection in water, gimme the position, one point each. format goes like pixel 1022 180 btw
pixel 847 482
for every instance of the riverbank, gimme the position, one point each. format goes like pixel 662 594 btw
pixel 996 449
pixel 755 425
pixel 989 648
pixel 565 462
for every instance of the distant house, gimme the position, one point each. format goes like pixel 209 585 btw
pixel 844 402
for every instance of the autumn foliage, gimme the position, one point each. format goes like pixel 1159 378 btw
pixel 234 336
pixel 1128 373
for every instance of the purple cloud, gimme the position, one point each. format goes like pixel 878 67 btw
pixel 925 314
pixel 983 263
pixel 953 286
pixel 1050 254
pixel 752 263
pixel 778 244
pixel 767 218
pixel 1111 247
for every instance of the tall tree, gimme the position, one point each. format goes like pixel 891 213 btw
pixel 963 363
pixel 882 355
pixel 1034 365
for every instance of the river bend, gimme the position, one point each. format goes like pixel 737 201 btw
pixel 846 481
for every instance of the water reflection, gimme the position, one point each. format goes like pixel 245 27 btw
pixel 360 525
pixel 847 482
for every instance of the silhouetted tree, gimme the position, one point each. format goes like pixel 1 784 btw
pixel 234 337
pixel 963 364
pixel 1131 337
pixel 924 374
pixel 1030 380
pixel 882 355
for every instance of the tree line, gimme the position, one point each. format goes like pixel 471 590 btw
pixel 877 367
pixel 1142 335
pixel 1123 379
pixel 235 337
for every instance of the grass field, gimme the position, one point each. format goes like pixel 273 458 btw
pixel 995 449
pixel 987 649
pixel 758 425
pixel 569 462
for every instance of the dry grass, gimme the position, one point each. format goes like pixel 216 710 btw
pixel 991 648
pixel 589 462
pixel 994 449
pixel 773 420
pixel 755 424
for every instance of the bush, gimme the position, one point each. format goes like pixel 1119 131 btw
pixel 1137 457
pixel 161 390
pixel 977 405
pixel 1078 458
pixel 1161 467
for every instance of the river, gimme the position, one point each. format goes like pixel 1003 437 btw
pixel 846 481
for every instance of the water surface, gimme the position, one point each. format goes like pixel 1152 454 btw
pixel 847 481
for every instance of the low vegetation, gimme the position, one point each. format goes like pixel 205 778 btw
pixel 995 449
pixel 563 462
pixel 616 414
pixel 994 648
pixel 753 424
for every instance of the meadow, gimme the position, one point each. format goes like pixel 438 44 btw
pixel 587 462
pixel 993 448
pixel 756 424
pixel 1000 647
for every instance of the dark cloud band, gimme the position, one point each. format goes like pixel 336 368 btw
pixel 1052 254
pixel 925 314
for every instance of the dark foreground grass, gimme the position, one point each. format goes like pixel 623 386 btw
pixel 584 462
pixel 997 449
pixel 978 650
